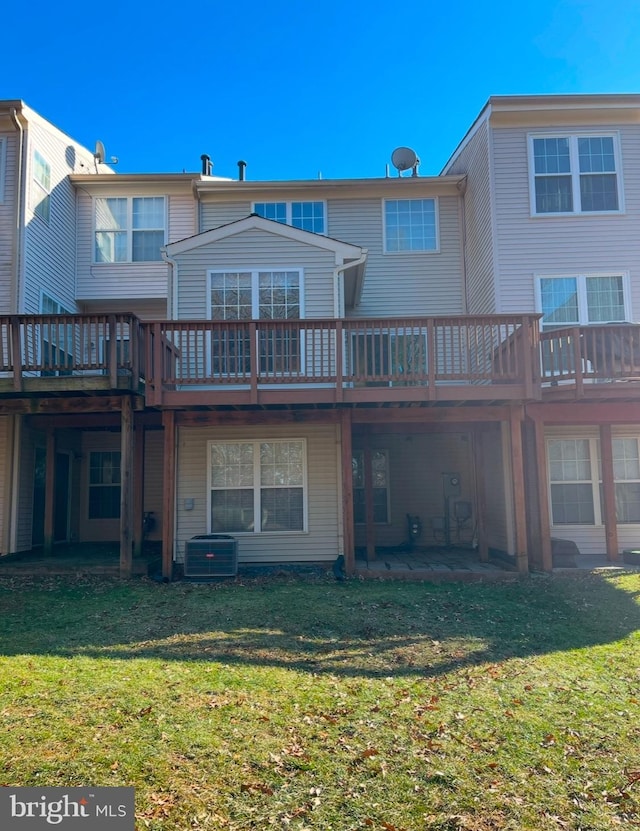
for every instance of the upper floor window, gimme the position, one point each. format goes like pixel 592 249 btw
pixel 308 216
pixel 575 174
pixel 129 229
pixel 410 225
pixel 42 189
pixel 583 299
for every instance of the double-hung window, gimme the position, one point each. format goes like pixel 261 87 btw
pixel 575 480
pixel 410 225
pixel 379 486
pixel 129 229
pixel 266 295
pixel 104 484
pixel 42 187
pixel 574 174
pixel 257 486
pixel 308 216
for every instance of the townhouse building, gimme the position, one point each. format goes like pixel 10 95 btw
pixel 310 366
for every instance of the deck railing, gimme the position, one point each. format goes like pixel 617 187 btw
pixel 346 354
pixel 66 346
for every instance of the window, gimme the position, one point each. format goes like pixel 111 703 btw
pixel 379 484
pixel 104 485
pixel 42 190
pixel 129 229
pixel 584 299
pixel 574 174
pixel 308 216
pixel 575 478
pixel 410 225
pixel 256 295
pixel 257 486
pixel 57 340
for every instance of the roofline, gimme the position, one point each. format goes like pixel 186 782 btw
pixel 204 186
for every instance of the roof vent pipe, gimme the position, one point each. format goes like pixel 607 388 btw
pixel 241 168
pixel 207 165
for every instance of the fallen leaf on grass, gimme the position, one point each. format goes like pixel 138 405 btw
pixel 256 786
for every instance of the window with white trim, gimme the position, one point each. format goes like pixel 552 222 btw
pixel 269 295
pixel 257 486
pixel 42 187
pixel 104 484
pixel 129 229
pixel 583 299
pixel 308 216
pixel 379 486
pixel 574 174
pixel 575 480
pixel 3 166
pixel 410 225
pixel 57 339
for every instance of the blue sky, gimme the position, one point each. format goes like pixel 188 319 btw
pixel 297 88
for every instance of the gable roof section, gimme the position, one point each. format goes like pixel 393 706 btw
pixel 343 250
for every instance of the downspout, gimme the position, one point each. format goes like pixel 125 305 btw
pixel 338 296
pixel 172 293
pixel 16 253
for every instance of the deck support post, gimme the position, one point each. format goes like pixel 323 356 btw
pixel 49 492
pixel 126 487
pixel 609 492
pixel 168 493
pixel 138 496
pixel 368 497
pixel 347 492
pixel 519 502
pixel 481 495
pixel 542 479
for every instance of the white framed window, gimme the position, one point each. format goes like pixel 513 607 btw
pixel 575 480
pixel 3 166
pixel 579 300
pixel 575 174
pixel 104 484
pixel 257 486
pixel 129 229
pixel 379 485
pixel 259 294
pixel 410 225
pixel 308 216
pixel 56 343
pixel 42 187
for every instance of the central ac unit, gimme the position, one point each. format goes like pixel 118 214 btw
pixel 211 555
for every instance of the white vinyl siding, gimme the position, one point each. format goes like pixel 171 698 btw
pixel 529 246
pixel 7 220
pixel 321 539
pixel 216 214
pixel 409 282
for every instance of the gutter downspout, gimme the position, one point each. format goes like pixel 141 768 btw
pixel 338 272
pixel 172 293
pixel 16 254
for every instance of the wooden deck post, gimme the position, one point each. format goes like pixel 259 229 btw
pixel 49 492
pixel 168 492
pixel 609 489
pixel 481 496
pixel 138 495
pixel 126 487
pixel 519 503
pixel 347 491
pixel 542 479
pixel 368 497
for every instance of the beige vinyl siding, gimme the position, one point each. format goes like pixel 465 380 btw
pixel 474 161
pixel 416 465
pixel 8 222
pixel 50 250
pixel 424 283
pixel 532 246
pixel 321 543
pixel 255 249
pixel 138 281
pixel 215 214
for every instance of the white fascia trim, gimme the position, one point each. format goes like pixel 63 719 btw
pixel 342 250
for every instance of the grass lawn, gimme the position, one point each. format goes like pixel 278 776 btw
pixel 292 703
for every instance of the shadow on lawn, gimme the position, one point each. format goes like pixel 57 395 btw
pixel 350 629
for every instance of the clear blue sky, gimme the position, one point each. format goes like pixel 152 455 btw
pixel 296 88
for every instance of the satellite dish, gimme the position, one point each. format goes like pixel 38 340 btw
pixel 99 154
pixel 404 158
